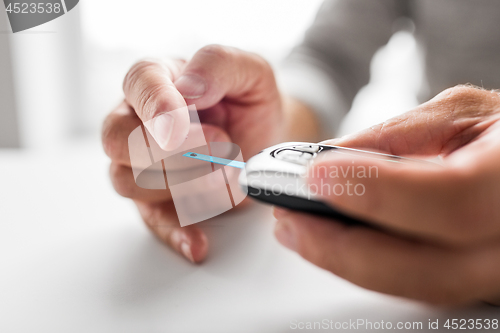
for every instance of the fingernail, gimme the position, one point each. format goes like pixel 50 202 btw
pixel 191 86
pixel 279 212
pixel 161 128
pixel 285 235
pixel 186 251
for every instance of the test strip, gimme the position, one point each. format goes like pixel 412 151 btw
pixel 216 160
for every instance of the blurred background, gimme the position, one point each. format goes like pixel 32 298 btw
pixel 59 80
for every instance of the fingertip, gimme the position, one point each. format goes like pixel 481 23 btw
pixel 186 251
pixel 199 246
pixel 190 242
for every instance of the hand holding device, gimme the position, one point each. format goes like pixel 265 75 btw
pixel 445 221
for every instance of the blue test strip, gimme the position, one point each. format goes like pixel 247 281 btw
pixel 216 160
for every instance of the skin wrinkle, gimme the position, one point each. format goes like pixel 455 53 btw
pixel 130 78
pixel 393 146
pixel 382 129
pixel 461 137
pixel 230 58
pixel 255 93
pixel 148 101
pixel 458 140
pixel 405 122
pixel 428 129
pixel 139 78
pixel 473 110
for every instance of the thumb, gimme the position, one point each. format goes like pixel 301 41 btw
pixel 441 125
pixel 216 72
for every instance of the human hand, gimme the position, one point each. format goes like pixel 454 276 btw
pixel 439 235
pixel 238 101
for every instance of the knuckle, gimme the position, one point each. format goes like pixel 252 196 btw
pixel 465 99
pixel 149 100
pixel 144 83
pixel 460 92
pixel 136 72
pixel 467 95
pixel 122 181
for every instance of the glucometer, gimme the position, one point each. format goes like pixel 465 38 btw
pixel 277 175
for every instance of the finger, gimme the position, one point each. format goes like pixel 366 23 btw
pixel 161 218
pixel 115 132
pixel 123 182
pixel 426 201
pixel 216 72
pixel 388 264
pixel 443 124
pixel 149 90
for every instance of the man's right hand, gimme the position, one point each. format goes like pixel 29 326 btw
pixel 238 100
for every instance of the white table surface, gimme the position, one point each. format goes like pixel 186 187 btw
pixel 75 257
